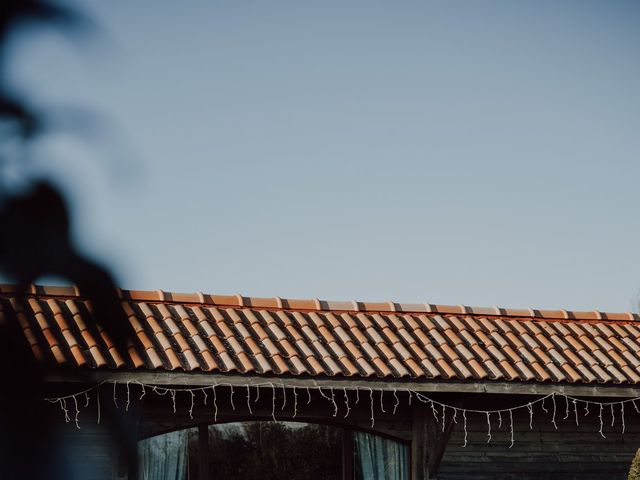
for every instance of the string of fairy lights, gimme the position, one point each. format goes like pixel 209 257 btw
pixel 574 407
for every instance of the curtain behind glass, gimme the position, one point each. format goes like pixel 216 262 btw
pixel 164 457
pixel 382 459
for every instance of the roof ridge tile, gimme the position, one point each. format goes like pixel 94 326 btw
pixel 316 304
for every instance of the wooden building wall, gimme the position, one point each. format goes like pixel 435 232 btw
pixel 89 452
pixel 569 452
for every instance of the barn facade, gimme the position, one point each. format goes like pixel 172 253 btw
pixel 452 391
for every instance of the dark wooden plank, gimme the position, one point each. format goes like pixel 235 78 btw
pixel 203 451
pixel 347 454
pixel 419 470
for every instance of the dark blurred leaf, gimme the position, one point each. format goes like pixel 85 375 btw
pixel 35 241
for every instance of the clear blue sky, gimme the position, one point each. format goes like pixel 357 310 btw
pixel 448 152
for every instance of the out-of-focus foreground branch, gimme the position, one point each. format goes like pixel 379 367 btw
pixel 35 241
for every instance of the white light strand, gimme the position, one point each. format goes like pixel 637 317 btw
pixel 335 405
pixel 193 402
pixel 126 407
pixel 395 405
pixel 433 404
pixel 511 424
pixel 75 402
pixel 464 421
pixel 371 397
pixel 215 404
pixel 329 399
pixel 273 402
pixel 422 398
pixel 346 402
pixel 284 397
pixel 257 394
pixel 443 417
pixel 613 416
pixel 325 396
pixel 204 400
pixel 434 411
pixel 63 406
pixel 358 396
pixel 86 390
pixel 295 402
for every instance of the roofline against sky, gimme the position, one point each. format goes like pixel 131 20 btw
pixel 278 303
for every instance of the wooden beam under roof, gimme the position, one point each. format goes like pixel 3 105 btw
pixel 426 387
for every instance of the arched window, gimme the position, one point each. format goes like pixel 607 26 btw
pixel 380 458
pixel 272 451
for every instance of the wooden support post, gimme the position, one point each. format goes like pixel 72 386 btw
pixel 203 451
pixel 419 470
pixel 428 442
pixel 437 442
pixel 347 454
pixel 124 426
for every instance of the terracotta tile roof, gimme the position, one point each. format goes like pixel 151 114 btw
pixel 277 336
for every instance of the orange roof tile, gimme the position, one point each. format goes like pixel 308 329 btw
pixel 276 336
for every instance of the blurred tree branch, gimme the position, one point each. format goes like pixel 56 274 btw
pixel 35 241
